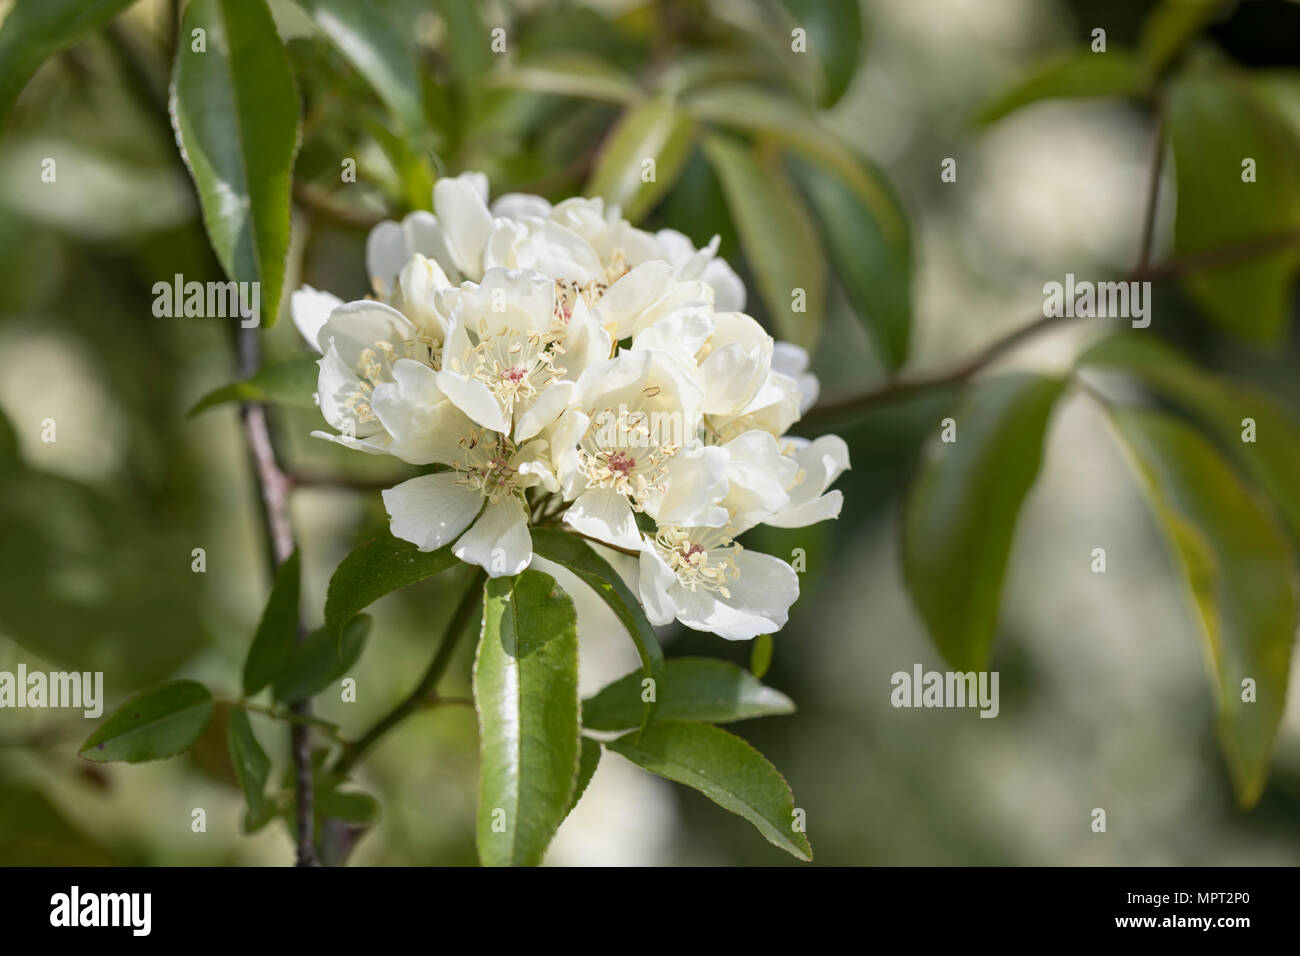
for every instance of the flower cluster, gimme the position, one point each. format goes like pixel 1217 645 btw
pixel 559 365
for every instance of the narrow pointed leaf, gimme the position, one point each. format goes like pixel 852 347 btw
pixel 1216 123
pixel 690 688
pixel 278 630
pixel 960 512
pixel 656 131
pixel 158 723
pixel 252 765
pixel 320 660
pixel 1084 74
pixel 378 567
pixel 870 250
pixel 725 769
pixel 236 113
pixel 594 571
pixel 291 383
pixel 588 761
pixel 34 31
pixel 777 235
pixel 1240 572
pixel 526 693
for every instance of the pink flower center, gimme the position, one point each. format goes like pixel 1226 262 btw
pixel 622 463
pixel 514 374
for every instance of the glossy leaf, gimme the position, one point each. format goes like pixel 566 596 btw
pixel 960 512
pixel 777 235
pixel 526 693
pixel 725 769
pixel 690 688
pixel 278 629
pixel 291 383
pixel 1223 408
pixel 235 109
pixel 1240 571
pixel 386 57
pixel 34 31
pixel 320 660
pixel 158 723
pixel 654 130
pixel 834 32
pixel 252 765
pixel 1215 122
pixel 870 250
pixel 571 74
pixel 588 761
pixel 594 571
pixel 378 567
pixel 1084 74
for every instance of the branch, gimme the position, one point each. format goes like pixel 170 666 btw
pixel 959 374
pixel 419 698
pixel 274 488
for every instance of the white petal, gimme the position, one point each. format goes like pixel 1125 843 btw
pixel 430 511
pixel 759 476
pixel 311 308
pixel 759 601
pixel 356 326
pixel 822 508
pixel 697 481
pixel 519 205
pixel 728 290
pixel 546 408
pixel 623 304
pixel 655 581
pixel 605 515
pixel 336 386
pixel 376 444
pixel 465 221
pixel 474 399
pixel 499 541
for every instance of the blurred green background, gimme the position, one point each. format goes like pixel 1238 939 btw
pixel 1105 700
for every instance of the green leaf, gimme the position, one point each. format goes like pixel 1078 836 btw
pixel 526 693
pixel 652 130
pixel 320 660
pixel 570 74
pixel 377 568
pixel 1084 74
pixel 594 571
pixel 291 383
pixel 725 769
pixel 235 110
pixel 252 766
pixel 760 656
pixel 588 760
pixel 870 250
pixel 1215 122
pixel 367 35
pixel 33 31
pixel 834 32
pixel 960 512
pixel 1240 571
pixel 699 689
pixel 777 234
pixel 780 119
pixel 158 723
pixel 1169 28
pixel 1221 407
pixel 278 629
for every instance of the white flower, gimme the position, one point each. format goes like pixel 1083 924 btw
pixel 704 579
pixel 555 363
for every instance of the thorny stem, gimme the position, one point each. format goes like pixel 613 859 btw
pixel 274 488
pixel 419 697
